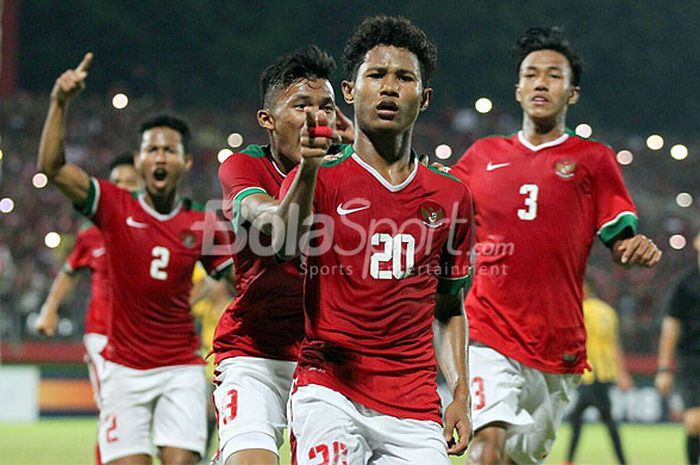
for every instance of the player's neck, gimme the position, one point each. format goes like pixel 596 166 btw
pixel 162 204
pixel 283 163
pixel 389 155
pixel 539 132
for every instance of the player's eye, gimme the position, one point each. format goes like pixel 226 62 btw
pixel 329 108
pixel 375 75
pixel 406 78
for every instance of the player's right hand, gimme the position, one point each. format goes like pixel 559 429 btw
pixel 72 81
pixel 47 321
pixel 664 382
pixel 314 148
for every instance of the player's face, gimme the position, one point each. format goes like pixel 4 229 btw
pixel 387 93
pixel 126 177
pixel 544 87
pixel 286 117
pixel 162 160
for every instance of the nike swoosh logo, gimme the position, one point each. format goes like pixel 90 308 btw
pixel 130 221
pixel 495 166
pixel 342 211
pixel 99 252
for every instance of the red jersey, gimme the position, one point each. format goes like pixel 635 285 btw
pixel 89 252
pixel 537 210
pixel 380 255
pixel 266 318
pixel 150 259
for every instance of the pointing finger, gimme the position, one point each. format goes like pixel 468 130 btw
pixel 85 64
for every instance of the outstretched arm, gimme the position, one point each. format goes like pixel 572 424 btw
pixel 47 321
pixel 450 331
pixel 72 180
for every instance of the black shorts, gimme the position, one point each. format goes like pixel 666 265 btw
pixel 596 395
pixel 688 381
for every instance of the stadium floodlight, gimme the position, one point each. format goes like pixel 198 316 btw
pixel 624 157
pixel 0 154
pixel 584 130
pixel 52 240
pixel 120 101
pixel 40 180
pixel 483 105
pixel 235 140
pixel 677 241
pixel 679 152
pixel 7 205
pixel 443 151
pixel 224 154
pixel 684 200
pixel 655 142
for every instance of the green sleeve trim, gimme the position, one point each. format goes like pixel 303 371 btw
pixel 255 151
pixel 335 159
pixel 442 173
pixel 625 222
pixel 222 270
pixel 237 203
pixel 452 286
pixel 93 199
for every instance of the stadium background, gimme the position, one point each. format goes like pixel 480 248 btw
pixel 202 60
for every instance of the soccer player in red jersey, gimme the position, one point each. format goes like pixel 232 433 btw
pixel 257 339
pixel 387 258
pixel 153 378
pixel 541 196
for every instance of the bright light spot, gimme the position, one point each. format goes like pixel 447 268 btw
pixel 483 105
pixel 584 130
pixel 235 140
pixel 677 241
pixel 224 154
pixel 0 154
pixel 120 101
pixel 624 157
pixel 655 142
pixel 52 240
pixel 7 205
pixel 684 200
pixel 40 180
pixel 679 152
pixel 443 151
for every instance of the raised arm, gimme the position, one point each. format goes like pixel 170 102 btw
pixel 450 331
pixel 47 321
pixel 72 180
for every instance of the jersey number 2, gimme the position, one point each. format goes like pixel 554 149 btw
pixel 161 258
pixel 529 213
pixel 393 251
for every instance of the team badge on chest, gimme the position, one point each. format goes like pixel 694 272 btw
pixel 189 239
pixel 432 214
pixel 565 169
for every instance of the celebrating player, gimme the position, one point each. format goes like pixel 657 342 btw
pixel 257 340
pixel 391 241
pixel 153 378
pixel 540 197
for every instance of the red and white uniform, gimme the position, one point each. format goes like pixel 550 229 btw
pixel 381 253
pixel 257 339
pixel 537 211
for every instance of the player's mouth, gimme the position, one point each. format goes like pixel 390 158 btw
pixel 387 109
pixel 160 175
pixel 540 100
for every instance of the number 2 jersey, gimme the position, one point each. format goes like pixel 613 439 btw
pixel 537 210
pixel 151 257
pixel 380 254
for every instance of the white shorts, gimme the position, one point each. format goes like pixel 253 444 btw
pixel 94 343
pixel 171 400
pixel 531 402
pixel 329 428
pixel 251 397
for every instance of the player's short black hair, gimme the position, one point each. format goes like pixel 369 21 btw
pixel 395 31
pixel 548 38
pixel 124 158
pixel 168 121
pixel 305 63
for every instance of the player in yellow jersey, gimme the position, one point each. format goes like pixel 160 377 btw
pixel 606 359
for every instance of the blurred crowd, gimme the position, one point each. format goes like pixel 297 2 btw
pixel 97 132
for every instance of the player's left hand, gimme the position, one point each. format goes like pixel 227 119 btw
pixel 457 419
pixel 636 251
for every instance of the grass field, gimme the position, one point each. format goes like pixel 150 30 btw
pixel 70 441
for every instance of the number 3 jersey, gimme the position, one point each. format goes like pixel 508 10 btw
pixel 379 253
pixel 151 257
pixel 537 210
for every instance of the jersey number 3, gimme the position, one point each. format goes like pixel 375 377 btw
pixel 529 213
pixel 161 258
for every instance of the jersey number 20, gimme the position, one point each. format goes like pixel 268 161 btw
pixel 393 251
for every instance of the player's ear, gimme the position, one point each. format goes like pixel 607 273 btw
pixel 518 96
pixel 574 94
pixel 425 98
pixel 348 88
pixel 188 162
pixel 265 119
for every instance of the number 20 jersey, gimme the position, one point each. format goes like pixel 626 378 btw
pixel 537 210
pixel 369 297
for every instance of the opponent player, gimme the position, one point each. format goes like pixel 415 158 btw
pixel 257 339
pixel 391 241
pixel 541 196
pixel 153 378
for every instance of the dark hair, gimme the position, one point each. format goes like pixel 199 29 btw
pixel 171 122
pixel 124 158
pixel 307 63
pixel 548 38
pixel 389 30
